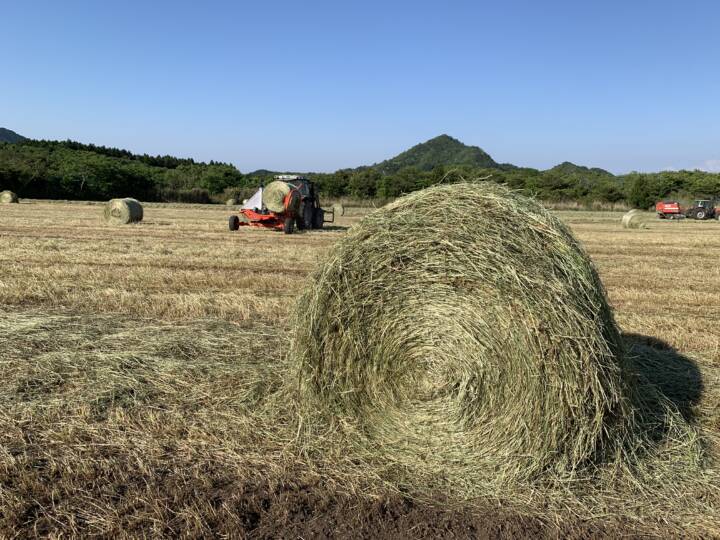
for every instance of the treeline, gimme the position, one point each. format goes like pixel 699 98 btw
pixel 559 184
pixel 69 170
pixel 566 182
pixel 548 185
pixel 644 190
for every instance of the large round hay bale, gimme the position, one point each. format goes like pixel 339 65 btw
pixel 8 197
pixel 463 326
pixel 274 194
pixel 123 211
pixel 339 209
pixel 634 219
pixel 231 202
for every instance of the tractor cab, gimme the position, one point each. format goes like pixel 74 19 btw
pixel 302 184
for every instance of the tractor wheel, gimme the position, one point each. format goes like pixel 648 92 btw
pixel 319 218
pixel 289 225
pixel 300 220
pixel 234 223
pixel 700 214
pixel 307 216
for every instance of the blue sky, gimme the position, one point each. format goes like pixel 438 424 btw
pixel 623 85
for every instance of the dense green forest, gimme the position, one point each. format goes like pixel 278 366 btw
pixel 71 170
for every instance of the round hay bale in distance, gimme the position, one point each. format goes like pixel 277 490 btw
pixel 634 219
pixel 274 194
pixel 8 197
pixel 339 209
pixel 123 211
pixel 463 326
pixel 231 202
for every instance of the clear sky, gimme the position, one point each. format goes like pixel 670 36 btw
pixel 316 86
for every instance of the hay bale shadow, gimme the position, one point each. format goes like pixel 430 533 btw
pixel 330 228
pixel 675 376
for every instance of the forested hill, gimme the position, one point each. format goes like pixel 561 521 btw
pixel 442 151
pixel 72 170
pixel 9 136
pixel 169 162
pixel 570 168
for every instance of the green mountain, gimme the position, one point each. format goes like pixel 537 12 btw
pixel 10 136
pixel 266 173
pixel 440 151
pixel 568 168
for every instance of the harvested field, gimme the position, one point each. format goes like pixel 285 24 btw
pixel 142 370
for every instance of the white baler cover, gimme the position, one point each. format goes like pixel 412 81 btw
pixel 254 202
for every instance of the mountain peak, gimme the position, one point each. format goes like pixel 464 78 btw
pixel 444 138
pixel 568 167
pixel 442 150
pixel 9 136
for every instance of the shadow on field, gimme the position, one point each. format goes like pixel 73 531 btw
pixel 301 509
pixel 675 376
pixel 330 228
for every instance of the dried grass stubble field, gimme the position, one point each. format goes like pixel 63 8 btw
pixel 140 368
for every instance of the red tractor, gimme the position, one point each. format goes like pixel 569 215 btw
pixel 701 209
pixel 286 202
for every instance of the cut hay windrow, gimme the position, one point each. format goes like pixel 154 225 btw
pixel 123 211
pixel 462 329
pixel 8 197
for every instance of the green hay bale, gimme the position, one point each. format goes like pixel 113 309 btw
pixel 634 219
pixel 123 211
pixel 274 195
pixel 463 328
pixel 8 197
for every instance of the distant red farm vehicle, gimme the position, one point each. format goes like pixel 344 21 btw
pixel 701 209
pixel 669 210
